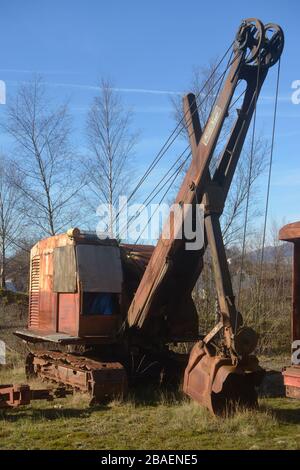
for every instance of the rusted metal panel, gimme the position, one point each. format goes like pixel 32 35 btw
pixel 12 396
pixel 64 269
pixel 291 233
pixel 291 379
pixel 63 338
pixel 60 312
pixel 169 255
pixel 296 292
pixel 99 268
pixel 217 384
pixel 291 375
pixel 103 325
pixel 46 302
pixel 138 255
pixel 43 301
pixel 68 313
pixel 101 379
pixel 34 300
pixel 292 392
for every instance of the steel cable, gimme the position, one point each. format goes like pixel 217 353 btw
pixel 177 130
pixel 268 188
pixel 173 178
pixel 220 79
pixel 248 189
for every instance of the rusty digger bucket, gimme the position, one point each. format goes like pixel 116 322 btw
pixel 215 382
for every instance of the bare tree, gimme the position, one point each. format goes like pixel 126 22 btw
pixel 18 265
pixel 205 85
pixel 44 158
pixel 11 220
pixel 111 146
pixel 233 217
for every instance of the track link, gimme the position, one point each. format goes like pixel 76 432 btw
pixel 102 380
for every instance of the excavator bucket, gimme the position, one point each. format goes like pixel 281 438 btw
pixel 218 385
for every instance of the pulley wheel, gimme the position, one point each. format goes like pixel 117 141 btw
pixel 250 38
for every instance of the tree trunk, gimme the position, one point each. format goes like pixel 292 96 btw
pixel 2 269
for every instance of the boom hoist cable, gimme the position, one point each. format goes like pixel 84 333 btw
pixel 171 180
pixel 151 197
pixel 184 122
pixel 248 188
pixel 268 191
pixel 175 133
pixel 225 373
pixel 221 368
pixel 258 306
pixel 155 191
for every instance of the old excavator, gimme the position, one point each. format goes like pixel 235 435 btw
pixel 149 289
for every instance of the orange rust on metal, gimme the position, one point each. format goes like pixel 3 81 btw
pixel 154 305
pixel 101 379
pixel 12 396
pixel 291 379
pixel 291 233
pixel 144 304
pixel 291 375
pixel 162 277
pixel 53 312
pixel 217 384
pixel 61 312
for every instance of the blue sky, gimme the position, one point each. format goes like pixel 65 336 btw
pixel 149 50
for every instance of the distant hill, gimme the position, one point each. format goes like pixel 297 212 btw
pixel 286 250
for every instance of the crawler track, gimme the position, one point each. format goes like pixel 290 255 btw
pixel 102 380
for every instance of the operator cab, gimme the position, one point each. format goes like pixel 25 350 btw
pixel 75 289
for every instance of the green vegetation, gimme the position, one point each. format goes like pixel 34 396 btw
pixel 9 297
pixel 145 420
pixel 154 422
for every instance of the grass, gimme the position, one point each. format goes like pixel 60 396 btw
pixel 148 419
pixel 16 298
pixel 145 420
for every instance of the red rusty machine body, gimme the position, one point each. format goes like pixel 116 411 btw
pixel 70 274
pixel 291 374
pixel 67 272
pixel 126 305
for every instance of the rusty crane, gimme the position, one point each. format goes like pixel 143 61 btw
pixel 151 287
